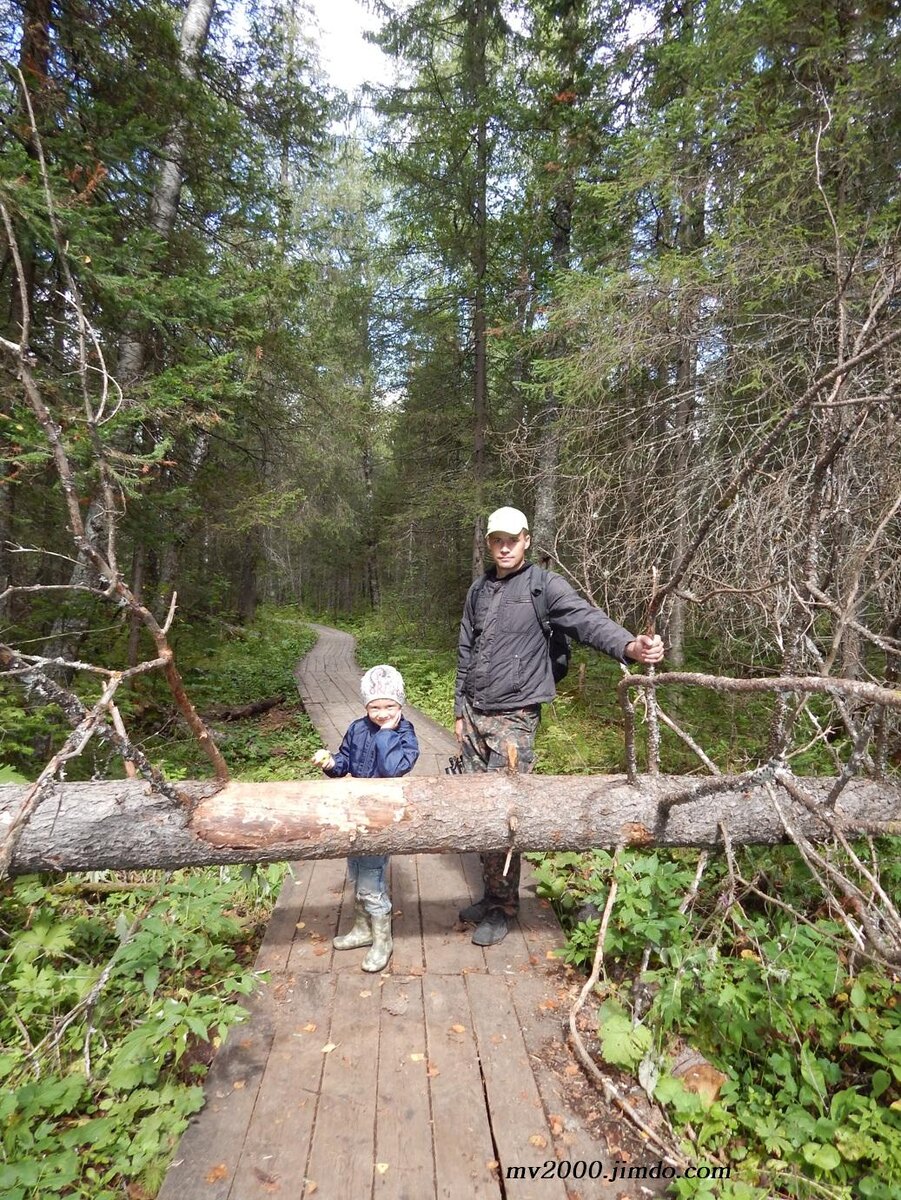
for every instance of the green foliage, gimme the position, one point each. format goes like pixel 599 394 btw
pixel 429 672
pixel 254 664
pixel 812 1053
pixel 146 974
pixel 112 1003
pixel 222 665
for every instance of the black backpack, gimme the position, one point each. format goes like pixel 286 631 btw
pixel 558 644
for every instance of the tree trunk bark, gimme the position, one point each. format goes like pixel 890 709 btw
pixel 167 189
pixel 121 826
pixel 477 39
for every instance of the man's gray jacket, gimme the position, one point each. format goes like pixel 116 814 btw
pixel 503 660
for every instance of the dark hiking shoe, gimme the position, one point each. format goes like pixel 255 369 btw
pixel 493 928
pixel 474 914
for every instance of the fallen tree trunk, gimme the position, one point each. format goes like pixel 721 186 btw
pixel 122 825
pixel 225 712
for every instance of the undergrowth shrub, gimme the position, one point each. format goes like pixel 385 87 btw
pixel 116 987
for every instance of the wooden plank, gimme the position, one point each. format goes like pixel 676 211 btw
pixel 342 1158
pixel 517 1113
pixel 407 923
pixel 319 917
pixel 277 1144
pixel 442 889
pixel 276 944
pixel 403 1137
pixel 211 1146
pixel 464 1152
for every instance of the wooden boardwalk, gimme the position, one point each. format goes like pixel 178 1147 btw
pixel 427 1081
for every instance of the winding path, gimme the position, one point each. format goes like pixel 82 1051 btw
pixel 428 1081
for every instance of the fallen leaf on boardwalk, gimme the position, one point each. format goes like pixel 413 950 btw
pixel 381 1167
pixel 217 1173
pixel 533 960
pixel 458 1028
pixel 329 1047
pixel 270 1182
pixel 239 1083
pixel 301 925
pixel 365 992
pixel 316 937
pixel 417 1058
pixel 550 954
pixel 556 1126
pixel 432 1071
pixel 320 950
pixel 311 1186
pixel 492 1164
pixel 549 1005
pixel 310 1027
pixel 537 1140
pixel 570 1069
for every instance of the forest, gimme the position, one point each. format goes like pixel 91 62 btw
pixel 270 353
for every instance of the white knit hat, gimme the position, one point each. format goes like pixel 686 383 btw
pixel 383 683
pixel 507 520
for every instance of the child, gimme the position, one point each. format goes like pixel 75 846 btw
pixel 380 745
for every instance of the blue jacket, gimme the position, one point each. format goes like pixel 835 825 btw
pixel 368 752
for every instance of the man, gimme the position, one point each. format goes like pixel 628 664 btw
pixel 504 675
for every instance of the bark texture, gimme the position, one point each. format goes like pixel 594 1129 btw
pixel 122 825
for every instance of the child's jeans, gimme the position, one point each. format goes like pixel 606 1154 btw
pixel 369 875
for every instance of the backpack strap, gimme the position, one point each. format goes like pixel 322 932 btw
pixel 539 601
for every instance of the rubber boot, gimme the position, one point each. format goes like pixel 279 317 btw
pixel 360 933
pixel 377 956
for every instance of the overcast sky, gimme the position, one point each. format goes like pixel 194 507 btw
pixel 347 59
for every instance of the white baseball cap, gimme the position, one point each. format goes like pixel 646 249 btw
pixel 507 520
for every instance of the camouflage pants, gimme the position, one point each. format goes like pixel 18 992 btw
pixel 500 741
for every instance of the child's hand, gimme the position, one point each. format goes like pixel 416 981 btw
pixel 323 760
pixel 393 722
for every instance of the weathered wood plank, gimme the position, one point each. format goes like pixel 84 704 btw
pixel 277 1144
pixel 342 1155
pixel 407 958
pixel 279 936
pixel 443 889
pixel 319 919
pixel 211 1147
pixel 464 1152
pixel 519 1126
pixel 403 1141
pixel 542 1010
